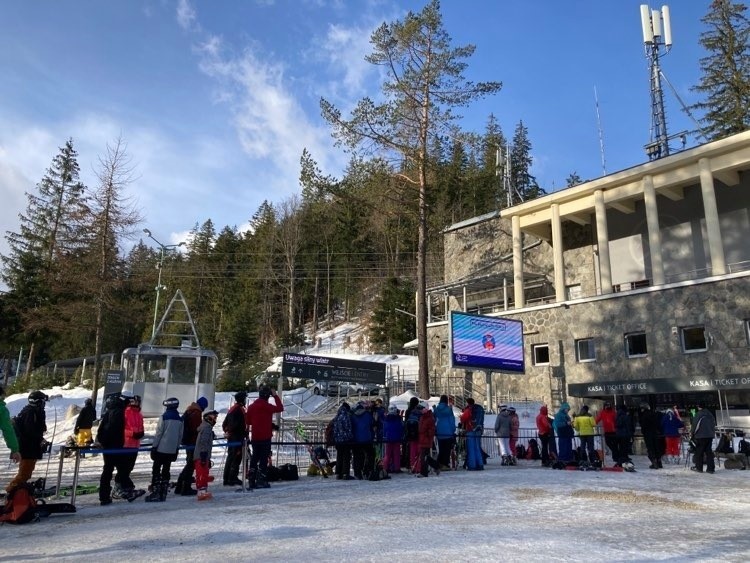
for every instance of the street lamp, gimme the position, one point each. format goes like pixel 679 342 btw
pixel 159 286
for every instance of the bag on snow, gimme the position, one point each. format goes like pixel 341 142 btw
pixel 20 506
pixel 288 472
pixel 520 451
pixel 532 452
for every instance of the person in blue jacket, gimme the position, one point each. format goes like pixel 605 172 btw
pixel 362 450
pixel 564 431
pixel 445 424
pixel 393 435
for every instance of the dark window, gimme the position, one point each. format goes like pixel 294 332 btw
pixel 540 353
pixel 635 344
pixel 693 339
pixel 585 351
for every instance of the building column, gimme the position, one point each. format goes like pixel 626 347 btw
pixel 518 295
pixel 557 254
pixel 715 245
pixel 654 234
pixel 602 241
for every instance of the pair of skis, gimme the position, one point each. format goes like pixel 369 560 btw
pixel 299 431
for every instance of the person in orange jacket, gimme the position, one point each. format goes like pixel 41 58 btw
pixel 607 420
pixel 124 487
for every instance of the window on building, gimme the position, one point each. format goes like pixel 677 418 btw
pixel 635 345
pixel 585 351
pixel 540 353
pixel 693 339
pixel 574 291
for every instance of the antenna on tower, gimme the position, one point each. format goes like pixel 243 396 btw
pixel 601 134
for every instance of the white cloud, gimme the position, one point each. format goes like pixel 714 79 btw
pixel 186 16
pixel 345 49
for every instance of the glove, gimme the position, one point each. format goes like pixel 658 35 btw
pixel 137 435
pixel 204 458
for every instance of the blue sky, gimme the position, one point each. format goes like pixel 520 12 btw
pixel 217 100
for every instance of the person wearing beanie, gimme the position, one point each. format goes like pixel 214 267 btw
pixel 259 419
pixel 235 431
pixel 84 423
pixel 6 426
pixel 192 418
pixel 204 441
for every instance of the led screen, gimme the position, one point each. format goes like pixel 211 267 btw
pixel 486 343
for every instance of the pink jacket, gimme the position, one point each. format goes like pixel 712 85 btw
pixel 133 427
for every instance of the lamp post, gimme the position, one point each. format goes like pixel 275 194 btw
pixel 159 286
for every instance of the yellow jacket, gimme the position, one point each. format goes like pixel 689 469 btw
pixel 585 425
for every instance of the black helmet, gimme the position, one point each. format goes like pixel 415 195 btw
pixel 37 398
pixel 264 391
pixel 111 401
pixel 171 403
pixel 88 402
pixel 209 414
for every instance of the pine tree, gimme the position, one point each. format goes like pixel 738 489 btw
pixel 726 70
pixel 424 83
pixel 390 328
pixel 523 183
pixel 573 180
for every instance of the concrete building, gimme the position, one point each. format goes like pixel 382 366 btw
pixel 633 286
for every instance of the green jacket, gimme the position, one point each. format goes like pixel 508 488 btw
pixel 7 428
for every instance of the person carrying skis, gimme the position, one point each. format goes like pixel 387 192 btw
pixel 204 441
pixel 124 487
pixel 111 436
pixel 235 431
pixel 6 425
pixel 84 423
pixel 192 419
pixel 164 449
pixel 259 419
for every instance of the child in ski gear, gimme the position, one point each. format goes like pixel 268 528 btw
pixel 203 445
pixel 362 450
pixel 192 418
pixel 445 428
pixel 343 437
pixel 545 433
pixel 585 425
pixel 124 486
pixel 502 431
pixel 84 423
pixel 607 419
pixel 167 439
pixel 259 419
pixel 393 433
pixel 30 426
pixel 111 436
pixel 671 427
pixel 6 425
pixel 703 431
pixel 235 431
pixel 426 441
pixel 564 431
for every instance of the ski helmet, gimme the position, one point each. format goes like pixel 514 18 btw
pixel 112 400
pixel 264 392
pixel 37 398
pixel 393 409
pixel 171 403
pixel 209 414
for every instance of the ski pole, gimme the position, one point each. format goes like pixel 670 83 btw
pixel 49 454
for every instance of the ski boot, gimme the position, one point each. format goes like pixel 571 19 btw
pixel 251 479
pixel 118 492
pixel 504 460
pixel 203 494
pixel 156 492
pixel 262 482
pixel 512 460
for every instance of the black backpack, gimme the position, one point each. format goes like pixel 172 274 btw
pixel 744 447
pixel 477 417
pixel 520 451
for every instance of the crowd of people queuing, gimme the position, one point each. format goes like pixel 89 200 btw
pixel 370 440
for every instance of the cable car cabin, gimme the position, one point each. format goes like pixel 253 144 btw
pixel 158 372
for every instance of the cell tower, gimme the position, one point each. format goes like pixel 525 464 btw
pixel 657 39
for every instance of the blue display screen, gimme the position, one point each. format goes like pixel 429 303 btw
pixel 487 343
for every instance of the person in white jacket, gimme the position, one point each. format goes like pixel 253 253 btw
pixel 164 449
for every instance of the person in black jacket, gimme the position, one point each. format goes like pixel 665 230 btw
pixel 650 422
pixel 111 436
pixel 30 426
pixel 84 423
pixel 235 430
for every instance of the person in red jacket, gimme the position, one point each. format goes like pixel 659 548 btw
pixel 606 418
pixel 546 433
pixel 259 418
pixel 191 419
pixel 426 442
pixel 124 487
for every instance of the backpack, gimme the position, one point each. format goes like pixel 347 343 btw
pixel 520 451
pixel 477 417
pixel 744 447
pixel 532 452
pixel 412 430
pixel 330 440
pixel 20 506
